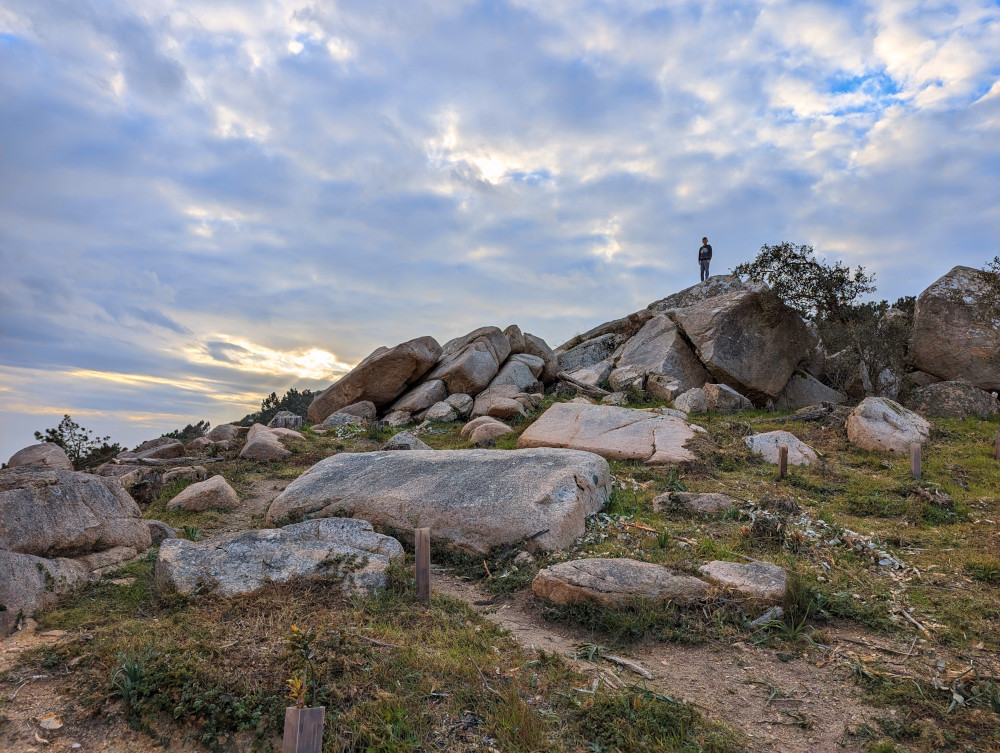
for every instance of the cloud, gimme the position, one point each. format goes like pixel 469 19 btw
pixel 247 196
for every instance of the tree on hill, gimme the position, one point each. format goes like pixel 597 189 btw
pixel 828 294
pixel 190 431
pixel 83 448
pixel 295 401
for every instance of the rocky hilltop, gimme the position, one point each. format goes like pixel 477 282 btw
pixel 638 460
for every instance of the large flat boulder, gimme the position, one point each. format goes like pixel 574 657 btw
pixel 46 454
pixel 953 400
pixel 470 499
pixel 747 340
pixel 247 560
pixel 55 513
pixel 660 348
pixel 612 432
pixel 468 363
pixel 382 377
pixel 879 423
pixel 956 335
pixel 610 582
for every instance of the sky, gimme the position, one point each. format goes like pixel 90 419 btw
pixel 202 201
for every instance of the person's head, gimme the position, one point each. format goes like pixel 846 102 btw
pixel 704 240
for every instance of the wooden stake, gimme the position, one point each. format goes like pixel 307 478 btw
pixel 915 460
pixel 996 445
pixel 303 730
pixel 782 461
pixel 422 545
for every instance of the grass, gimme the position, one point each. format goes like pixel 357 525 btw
pixel 395 674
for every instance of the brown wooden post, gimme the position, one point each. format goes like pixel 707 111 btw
pixel 996 445
pixel 303 730
pixel 915 460
pixel 782 461
pixel 422 545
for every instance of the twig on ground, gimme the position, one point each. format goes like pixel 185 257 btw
pixel 483 677
pixel 629 664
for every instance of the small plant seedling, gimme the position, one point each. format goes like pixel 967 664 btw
pixel 191 533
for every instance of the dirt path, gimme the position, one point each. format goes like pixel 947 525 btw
pixel 730 682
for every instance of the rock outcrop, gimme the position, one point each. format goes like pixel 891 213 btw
pixel 380 378
pixel 470 499
pixel 285 419
pixel 612 432
pixel 803 390
pixel 956 332
pixel 155 449
pixel 348 550
pixel 747 340
pixel 469 363
pixel 265 444
pixel 45 454
pixel 660 348
pixel 953 400
pixel 879 423
pixel 611 582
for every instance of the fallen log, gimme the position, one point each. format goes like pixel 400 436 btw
pixel 154 462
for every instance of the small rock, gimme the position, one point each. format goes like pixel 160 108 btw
pixel 614 581
pixel 692 401
pixel 758 580
pixel 213 493
pixel 615 398
pixel 406 441
pixel 767 446
pixel 705 504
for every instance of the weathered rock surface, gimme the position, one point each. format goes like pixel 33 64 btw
pixel 484 434
pixel 615 398
pixel 471 499
pixel 475 423
pixel 879 423
pixel 54 513
pixel 363 409
pixel 724 399
pixel 515 338
pixel 406 441
pixel 955 334
pixel 441 412
pixel 589 353
pixel 613 432
pixel 264 444
pixel 660 348
pixel 160 531
pixel 29 584
pixel 469 363
pixel 461 403
pixel 245 561
pixel 594 374
pixel 747 340
pixel 205 495
pixel 505 407
pixel 702 503
pixel 663 387
pixel 159 448
pixel 225 432
pixel 285 419
pixel 767 446
pixel 186 472
pixel 422 397
pixel 756 580
pixel 380 378
pixel 622 328
pixel 803 389
pixel 692 401
pixel 953 400
pixel 536 346
pixel 45 454
pixel 520 374
pixel 627 378
pixel 485 399
pixel 710 288
pixel 398 418
pixel 614 581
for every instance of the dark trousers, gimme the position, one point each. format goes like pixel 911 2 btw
pixel 704 269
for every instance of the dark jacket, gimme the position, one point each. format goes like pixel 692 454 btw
pixel 705 252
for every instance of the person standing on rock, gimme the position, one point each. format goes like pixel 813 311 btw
pixel 704 257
